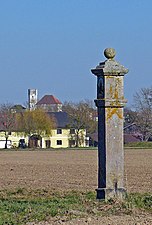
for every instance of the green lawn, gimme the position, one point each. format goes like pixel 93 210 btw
pixel 147 144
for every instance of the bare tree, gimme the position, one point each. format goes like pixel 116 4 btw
pixel 129 117
pixel 7 120
pixel 82 116
pixel 143 107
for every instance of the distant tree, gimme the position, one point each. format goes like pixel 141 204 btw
pixel 7 120
pixel 35 122
pixel 129 117
pixel 17 108
pixel 143 107
pixel 81 116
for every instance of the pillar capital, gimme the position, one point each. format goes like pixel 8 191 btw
pixel 109 67
pixel 110 80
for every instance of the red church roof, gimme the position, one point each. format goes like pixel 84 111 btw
pixel 48 100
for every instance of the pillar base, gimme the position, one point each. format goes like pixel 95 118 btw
pixel 107 193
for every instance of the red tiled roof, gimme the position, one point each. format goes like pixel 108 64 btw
pixel 48 99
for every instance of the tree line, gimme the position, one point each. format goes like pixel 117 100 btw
pixel 35 122
pixel 82 115
pixel 140 114
pixel 39 122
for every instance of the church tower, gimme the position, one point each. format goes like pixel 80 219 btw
pixel 32 98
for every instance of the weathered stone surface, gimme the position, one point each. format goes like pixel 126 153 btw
pixel 110 102
pixel 109 53
pixel 110 67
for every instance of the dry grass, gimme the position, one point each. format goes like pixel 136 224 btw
pixel 34 186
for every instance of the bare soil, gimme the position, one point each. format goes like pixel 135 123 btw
pixel 63 170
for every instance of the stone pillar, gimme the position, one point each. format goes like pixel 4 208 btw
pixel 110 102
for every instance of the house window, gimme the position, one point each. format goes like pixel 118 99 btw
pixel 71 143
pixel 59 131
pixel 72 131
pixel 59 142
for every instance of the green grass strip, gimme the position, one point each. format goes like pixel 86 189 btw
pixel 22 206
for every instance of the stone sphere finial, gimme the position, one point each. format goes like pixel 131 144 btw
pixel 109 53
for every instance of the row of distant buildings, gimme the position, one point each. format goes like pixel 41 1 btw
pixel 61 137
pixel 47 102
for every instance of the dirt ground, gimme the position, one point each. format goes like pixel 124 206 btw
pixel 72 170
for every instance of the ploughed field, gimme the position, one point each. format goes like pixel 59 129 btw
pixel 62 170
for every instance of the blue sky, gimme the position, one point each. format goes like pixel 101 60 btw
pixel 51 45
